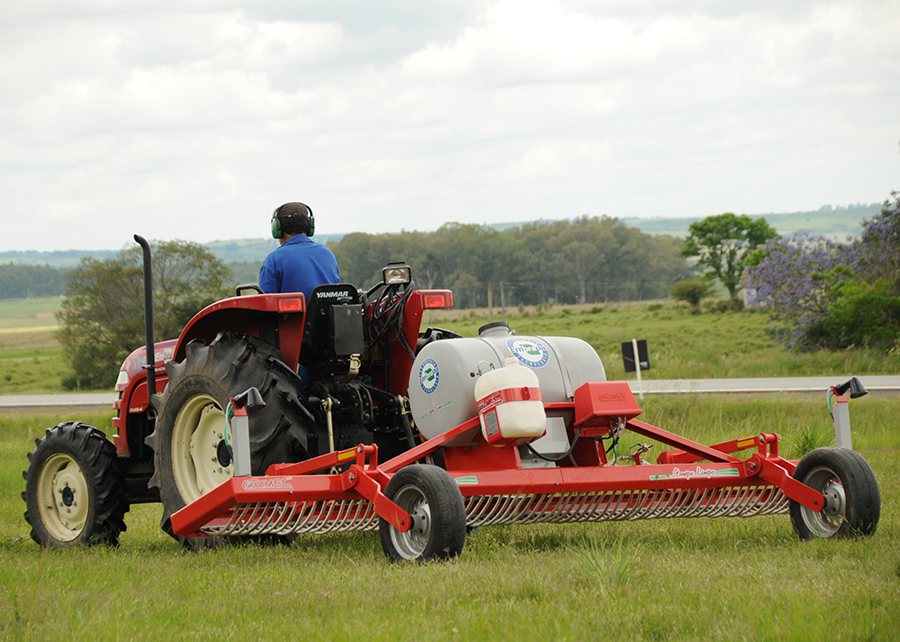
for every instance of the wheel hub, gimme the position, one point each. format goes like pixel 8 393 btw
pixel 63 496
pixel 835 501
pixel 412 543
pixel 200 458
pixel 829 520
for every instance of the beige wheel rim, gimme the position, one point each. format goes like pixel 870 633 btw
pixel 64 497
pixel 196 437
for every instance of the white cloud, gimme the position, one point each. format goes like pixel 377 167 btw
pixel 195 121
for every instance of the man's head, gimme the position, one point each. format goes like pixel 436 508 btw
pixel 291 219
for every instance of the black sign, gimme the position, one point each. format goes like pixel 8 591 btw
pixel 628 355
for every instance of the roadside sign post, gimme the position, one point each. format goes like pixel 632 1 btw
pixel 635 359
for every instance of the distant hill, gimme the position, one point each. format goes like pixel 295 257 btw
pixel 838 223
pixel 231 251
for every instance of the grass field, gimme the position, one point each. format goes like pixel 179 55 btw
pixel 703 579
pixel 31 359
pixel 682 345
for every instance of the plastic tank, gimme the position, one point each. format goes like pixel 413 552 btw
pixel 509 404
pixel 443 377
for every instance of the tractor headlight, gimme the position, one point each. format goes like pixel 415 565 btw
pixel 396 274
pixel 121 380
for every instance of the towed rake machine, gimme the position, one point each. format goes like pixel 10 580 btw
pixel 423 511
pixel 282 416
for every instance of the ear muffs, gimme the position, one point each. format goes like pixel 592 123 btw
pixel 278 230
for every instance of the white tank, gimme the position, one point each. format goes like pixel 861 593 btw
pixel 443 377
pixel 509 404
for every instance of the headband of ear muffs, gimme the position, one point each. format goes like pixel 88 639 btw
pixel 278 229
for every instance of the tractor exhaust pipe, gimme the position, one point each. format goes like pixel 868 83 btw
pixel 150 365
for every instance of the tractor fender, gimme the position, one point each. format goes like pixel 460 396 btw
pixel 276 319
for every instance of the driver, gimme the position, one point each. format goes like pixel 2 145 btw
pixel 299 264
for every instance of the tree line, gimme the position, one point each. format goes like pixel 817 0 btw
pixel 28 281
pixel 586 260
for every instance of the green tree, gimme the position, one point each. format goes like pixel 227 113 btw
pixel 723 244
pixel 102 315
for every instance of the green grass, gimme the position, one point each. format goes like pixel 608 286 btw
pixel 29 313
pixel 702 579
pixel 31 359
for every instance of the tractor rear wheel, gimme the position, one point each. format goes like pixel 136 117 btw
pixel 432 498
pixel 852 500
pixel 190 457
pixel 74 488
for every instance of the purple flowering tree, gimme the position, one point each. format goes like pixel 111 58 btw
pixel 789 284
pixel 879 245
pixel 823 294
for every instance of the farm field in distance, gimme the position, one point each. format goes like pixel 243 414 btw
pixel 681 345
pixel 30 355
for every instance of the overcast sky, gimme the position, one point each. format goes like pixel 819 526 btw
pixel 195 119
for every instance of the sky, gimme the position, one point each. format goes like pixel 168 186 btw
pixel 194 119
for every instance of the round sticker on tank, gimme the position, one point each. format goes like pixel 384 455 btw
pixel 429 376
pixel 531 353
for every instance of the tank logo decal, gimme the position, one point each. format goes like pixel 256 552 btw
pixel 470 479
pixel 531 353
pixel 429 376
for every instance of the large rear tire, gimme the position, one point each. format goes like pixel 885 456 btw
pixel 189 454
pixel 432 498
pixel 74 488
pixel 852 498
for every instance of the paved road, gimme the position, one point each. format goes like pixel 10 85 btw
pixel 874 384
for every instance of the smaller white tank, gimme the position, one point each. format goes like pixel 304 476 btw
pixel 509 404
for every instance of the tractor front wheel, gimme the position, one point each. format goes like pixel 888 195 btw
pixel 74 488
pixel 852 500
pixel 432 498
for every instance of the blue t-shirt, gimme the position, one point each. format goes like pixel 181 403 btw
pixel 299 265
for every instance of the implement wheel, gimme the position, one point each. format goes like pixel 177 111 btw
pixel 432 498
pixel 190 453
pixel 852 499
pixel 74 488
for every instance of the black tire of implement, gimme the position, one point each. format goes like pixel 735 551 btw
pixel 228 366
pixel 445 534
pixel 76 444
pixel 859 510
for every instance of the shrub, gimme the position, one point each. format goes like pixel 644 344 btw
pixel 692 291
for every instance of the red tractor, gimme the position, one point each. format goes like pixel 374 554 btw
pixel 421 434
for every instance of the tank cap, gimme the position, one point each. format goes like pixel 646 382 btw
pixel 495 328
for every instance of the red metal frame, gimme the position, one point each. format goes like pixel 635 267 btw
pixel 488 474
